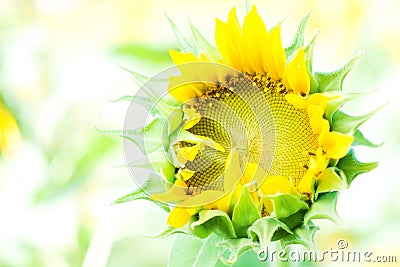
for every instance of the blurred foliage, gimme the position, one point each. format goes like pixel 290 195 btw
pixel 148 52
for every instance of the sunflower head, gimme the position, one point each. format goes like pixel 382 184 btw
pixel 253 144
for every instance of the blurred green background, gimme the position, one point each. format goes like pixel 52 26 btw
pixel 59 67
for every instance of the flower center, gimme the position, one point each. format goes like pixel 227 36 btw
pixel 250 114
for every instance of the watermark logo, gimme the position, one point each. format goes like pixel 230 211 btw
pixel 341 253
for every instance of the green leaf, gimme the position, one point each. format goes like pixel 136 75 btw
pixel 236 248
pixel 361 140
pixel 245 213
pixel 140 193
pixel 303 235
pixel 344 123
pixel 333 81
pixel 183 43
pixel 190 251
pixel 329 181
pixel 286 205
pixel 351 167
pixel 213 221
pixel 323 208
pixel 299 37
pixel 264 228
pixel 203 45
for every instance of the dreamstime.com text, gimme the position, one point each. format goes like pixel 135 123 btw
pixel 339 254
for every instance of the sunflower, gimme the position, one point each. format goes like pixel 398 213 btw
pixel 257 144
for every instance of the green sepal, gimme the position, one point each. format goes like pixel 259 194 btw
pixel 245 213
pixel 191 251
pixel 329 181
pixel 140 193
pixel 135 136
pixel 333 81
pixel 286 205
pixel 235 248
pixel 174 117
pixel 298 39
pixel 157 162
pixel 148 138
pixel 361 140
pixel 247 5
pixel 303 235
pixel 183 43
pixel 323 208
pixel 168 232
pixel 141 80
pixel 309 54
pixel 346 124
pixel 155 135
pixel 334 104
pixel 264 229
pixel 213 221
pixel 351 167
pixel 166 105
pixel 141 100
pixel 293 221
pixel 203 45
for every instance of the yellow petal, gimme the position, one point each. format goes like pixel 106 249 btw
pixel 207 72
pixel 182 90
pixel 202 199
pixel 221 204
pixel 229 40
pixel 254 174
pixel 315 113
pixel 307 183
pixel 176 193
pixel 193 118
pixel 317 164
pixel 336 145
pixel 322 99
pixel 297 101
pixel 187 73
pixel 255 37
pixel 276 184
pixel 188 153
pixel 274 55
pixel 319 99
pixel 178 217
pixel 185 174
pixel 268 204
pixel 297 74
pixel 182 57
pixel 233 172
